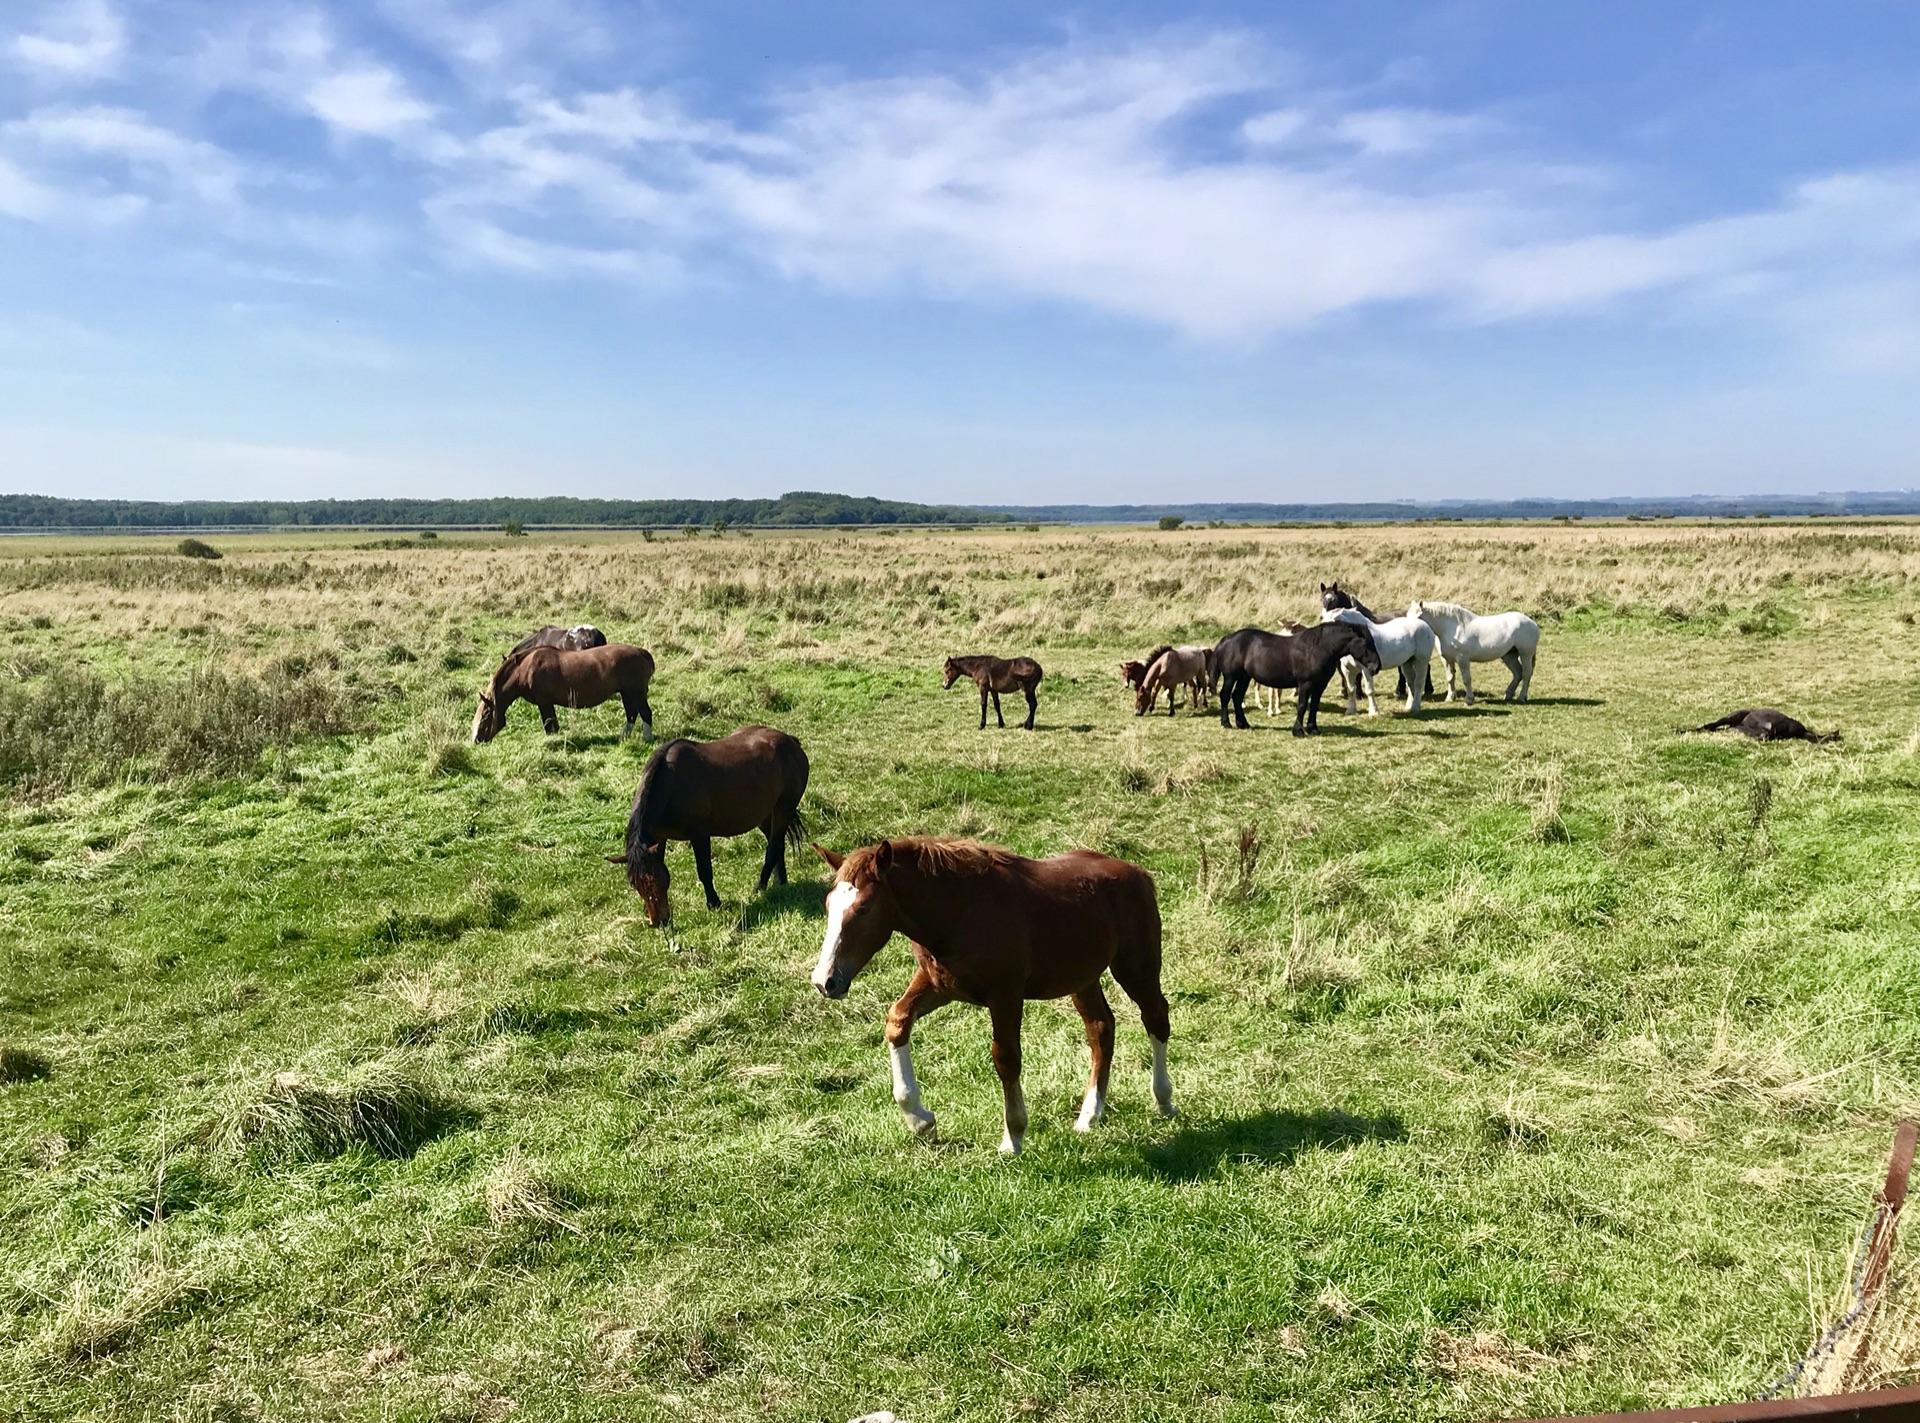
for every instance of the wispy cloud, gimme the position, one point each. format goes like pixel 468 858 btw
pixel 82 39
pixel 1190 182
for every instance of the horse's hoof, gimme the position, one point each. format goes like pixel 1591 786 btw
pixel 921 1125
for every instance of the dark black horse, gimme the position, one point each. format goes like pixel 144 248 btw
pixel 1305 659
pixel 1764 724
pixel 1333 598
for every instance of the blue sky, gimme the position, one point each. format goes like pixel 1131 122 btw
pixel 993 252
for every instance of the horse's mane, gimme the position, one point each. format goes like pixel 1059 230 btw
pixel 935 855
pixel 1445 610
pixel 1154 656
pixel 643 804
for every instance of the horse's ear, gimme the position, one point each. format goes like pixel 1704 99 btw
pixel 883 856
pixel 616 859
pixel 833 861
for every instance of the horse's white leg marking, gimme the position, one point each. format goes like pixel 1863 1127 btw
pixel 1352 687
pixel 1092 1108
pixel 906 1089
pixel 1373 707
pixel 646 729
pixel 838 902
pixel 1417 671
pixel 1016 1119
pixel 1162 1084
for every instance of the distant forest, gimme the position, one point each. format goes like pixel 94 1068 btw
pixel 42 511
pixel 1683 506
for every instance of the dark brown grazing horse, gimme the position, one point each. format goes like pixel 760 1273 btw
pixel 994 675
pixel 992 928
pixel 550 678
pixel 1764 724
pixel 750 779
pixel 574 639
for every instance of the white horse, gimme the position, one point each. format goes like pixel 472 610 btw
pixel 1406 643
pixel 1512 638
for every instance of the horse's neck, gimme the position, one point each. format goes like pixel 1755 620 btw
pixel 919 908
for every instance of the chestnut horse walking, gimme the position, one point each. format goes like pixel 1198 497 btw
pixel 994 675
pixel 750 779
pixel 550 678
pixel 991 928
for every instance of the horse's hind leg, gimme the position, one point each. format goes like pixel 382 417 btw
pixel 1033 705
pixel 548 720
pixel 773 859
pixel 1006 1013
pixel 1514 666
pixel 1098 1014
pixel 1527 658
pixel 983 708
pixel 637 708
pixel 1138 974
pixel 703 863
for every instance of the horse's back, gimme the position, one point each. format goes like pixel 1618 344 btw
pixel 1084 905
pixel 729 785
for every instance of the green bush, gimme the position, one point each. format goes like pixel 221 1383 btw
pixel 1170 522
pixel 194 548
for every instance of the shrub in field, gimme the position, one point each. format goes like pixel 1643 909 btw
pixel 1170 522
pixel 75 728
pixel 194 548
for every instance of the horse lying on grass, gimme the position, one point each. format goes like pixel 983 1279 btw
pixel 992 928
pixel 1402 643
pixel 1306 659
pixel 1466 638
pixel 550 678
pixel 750 779
pixel 578 638
pixel 1764 724
pixel 994 675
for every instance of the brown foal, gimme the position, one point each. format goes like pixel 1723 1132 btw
pixel 992 928
pixel 994 675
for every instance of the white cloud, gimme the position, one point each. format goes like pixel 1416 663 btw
pixel 1398 132
pixel 200 169
pixel 366 100
pixel 84 39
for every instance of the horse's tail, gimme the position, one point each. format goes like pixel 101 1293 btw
pixel 1830 736
pixel 796 829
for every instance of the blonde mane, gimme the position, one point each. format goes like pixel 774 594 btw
pixel 1453 612
pixel 934 855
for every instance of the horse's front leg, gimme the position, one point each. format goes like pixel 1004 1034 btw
pixel 1452 672
pixel 920 999
pixel 1350 688
pixel 1006 1061
pixel 1098 1014
pixel 1300 698
pixel 703 863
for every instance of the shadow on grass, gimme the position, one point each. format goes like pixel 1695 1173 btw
pixel 1269 1138
pixel 1565 702
pixel 807 898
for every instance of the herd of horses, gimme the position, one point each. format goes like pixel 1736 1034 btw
pixel 989 927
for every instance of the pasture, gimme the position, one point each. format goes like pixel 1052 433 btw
pixel 1528 1059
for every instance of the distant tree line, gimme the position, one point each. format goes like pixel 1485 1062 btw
pixel 45 511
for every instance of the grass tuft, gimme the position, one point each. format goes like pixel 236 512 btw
pixel 519 1189
pixel 93 1324
pixel 389 1110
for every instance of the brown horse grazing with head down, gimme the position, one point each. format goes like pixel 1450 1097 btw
pixel 992 928
pixel 994 675
pixel 750 779
pixel 1173 669
pixel 550 678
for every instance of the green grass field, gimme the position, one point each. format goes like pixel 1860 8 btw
pixel 1531 1059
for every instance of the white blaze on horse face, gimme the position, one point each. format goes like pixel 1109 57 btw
pixel 1162 1084
pixel 839 900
